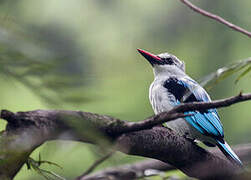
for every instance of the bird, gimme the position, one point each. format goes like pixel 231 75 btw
pixel 171 87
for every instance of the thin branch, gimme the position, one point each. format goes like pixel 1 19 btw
pixel 130 171
pixel 95 164
pixel 115 127
pixel 178 111
pixel 216 17
pixel 201 106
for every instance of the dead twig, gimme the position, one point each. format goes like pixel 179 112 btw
pixel 216 18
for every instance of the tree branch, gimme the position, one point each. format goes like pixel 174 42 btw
pixel 216 17
pixel 129 171
pixel 140 169
pixel 26 131
pixel 95 164
pixel 177 112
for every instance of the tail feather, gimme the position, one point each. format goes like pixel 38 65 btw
pixel 229 153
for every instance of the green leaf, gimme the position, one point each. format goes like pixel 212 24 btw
pixel 242 74
pixel 220 74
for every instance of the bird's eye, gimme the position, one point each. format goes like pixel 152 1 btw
pixel 168 60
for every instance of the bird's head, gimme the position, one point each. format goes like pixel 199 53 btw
pixel 164 62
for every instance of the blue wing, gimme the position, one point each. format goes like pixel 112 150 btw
pixel 206 122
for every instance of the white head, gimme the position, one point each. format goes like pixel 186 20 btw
pixel 164 63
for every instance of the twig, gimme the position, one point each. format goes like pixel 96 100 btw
pixel 200 106
pixel 178 111
pixel 216 17
pixel 130 171
pixel 95 164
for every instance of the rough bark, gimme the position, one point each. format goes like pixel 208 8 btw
pixel 27 130
pixel 142 168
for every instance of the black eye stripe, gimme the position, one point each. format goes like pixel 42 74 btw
pixel 168 60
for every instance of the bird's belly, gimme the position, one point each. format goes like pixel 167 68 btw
pixel 162 101
pixel 183 128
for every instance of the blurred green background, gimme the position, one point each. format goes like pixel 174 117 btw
pixel 81 55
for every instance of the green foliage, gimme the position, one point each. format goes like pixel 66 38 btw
pixel 48 63
pixel 243 74
pixel 226 71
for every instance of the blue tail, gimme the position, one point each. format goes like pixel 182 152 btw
pixel 229 153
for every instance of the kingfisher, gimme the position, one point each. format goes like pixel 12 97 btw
pixel 172 86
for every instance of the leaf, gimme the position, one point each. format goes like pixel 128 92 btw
pixel 242 74
pixel 224 72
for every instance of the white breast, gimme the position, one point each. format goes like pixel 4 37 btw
pixel 161 101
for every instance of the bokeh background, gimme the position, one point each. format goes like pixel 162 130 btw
pixel 81 55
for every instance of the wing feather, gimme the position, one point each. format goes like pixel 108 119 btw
pixel 206 122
